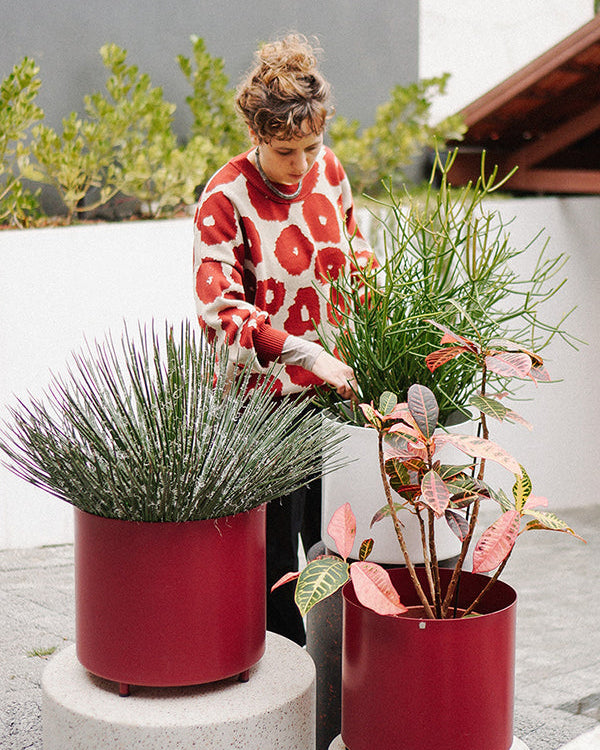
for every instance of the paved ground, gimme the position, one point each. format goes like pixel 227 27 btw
pixel 558 652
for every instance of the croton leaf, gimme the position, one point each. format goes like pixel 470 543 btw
pixel 319 579
pixel 509 364
pixel 365 549
pixel 424 409
pixel 496 542
pixel 374 589
pixel 457 523
pixel 438 358
pixel 490 406
pixel 521 489
pixel 480 448
pixel 549 522
pixel 387 402
pixel 342 529
pixel 371 415
pixel 434 493
pixel 384 512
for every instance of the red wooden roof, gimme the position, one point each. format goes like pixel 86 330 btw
pixel 545 118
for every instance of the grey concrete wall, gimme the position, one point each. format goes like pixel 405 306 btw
pixel 368 47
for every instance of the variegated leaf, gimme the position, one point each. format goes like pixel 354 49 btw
pixel 539 374
pixel 535 501
pixel 434 493
pixel 387 402
pixel 285 579
pixel 342 529
pixel 521 489
pixel 365 549
pixel 319 579
pixel 496 543
pixel 480 448
pixel 490 406
pixel 457 523
pixel 374 589
pixel 384 512
pixel 424 408
pixel 502 499
pixel 438 358
pixel 509 364
pixel 450 337
pixel 371 415
pixel 549 522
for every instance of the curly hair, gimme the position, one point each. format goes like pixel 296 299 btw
pixel 285 92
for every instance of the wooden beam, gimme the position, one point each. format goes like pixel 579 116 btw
pixel 573 181
pixel 559 138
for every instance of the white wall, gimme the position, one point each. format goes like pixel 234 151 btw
pixel 57 287
pixel 482 42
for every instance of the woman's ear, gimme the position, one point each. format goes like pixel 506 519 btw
pixel 254 140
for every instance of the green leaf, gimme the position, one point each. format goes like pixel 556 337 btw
pixel 387 402
pixel 319 579
pixel 490 406
pixel 521 489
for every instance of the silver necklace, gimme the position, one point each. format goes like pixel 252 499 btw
pixel 272 188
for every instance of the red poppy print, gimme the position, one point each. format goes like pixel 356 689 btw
pixel 304 314
pixel 329 263
pixel 270 295
pixel 267 209
pixel 293 250
pixel 333 171
pixel 299 376
pixel 252 240
pixel 321 218
pixel 216 220
pixel 211 281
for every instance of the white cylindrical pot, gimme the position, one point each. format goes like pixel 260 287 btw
pixel 359 483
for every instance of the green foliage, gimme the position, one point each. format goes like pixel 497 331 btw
pixel 18 113
pixel 124 144
pixel 445 258
pixel 162 430
pixel 212 105
pixel 401 131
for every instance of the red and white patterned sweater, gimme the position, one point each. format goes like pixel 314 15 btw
pixel 258 258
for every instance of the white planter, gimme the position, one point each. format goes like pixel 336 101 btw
pixel 359 483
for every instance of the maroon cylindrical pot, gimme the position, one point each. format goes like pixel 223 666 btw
pixel 166 604
pixel 414 683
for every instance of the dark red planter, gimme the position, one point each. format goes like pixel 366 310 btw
pixel 415 684
pixel 166 604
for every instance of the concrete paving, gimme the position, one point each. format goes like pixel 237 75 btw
pixel 558 639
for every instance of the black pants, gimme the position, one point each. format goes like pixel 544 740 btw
pixel 288 517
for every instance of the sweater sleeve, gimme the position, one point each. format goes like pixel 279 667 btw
pixel 223 309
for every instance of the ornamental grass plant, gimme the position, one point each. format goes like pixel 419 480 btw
pixel 163 429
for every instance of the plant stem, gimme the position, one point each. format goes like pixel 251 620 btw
pixel 488 586
pixel 398 527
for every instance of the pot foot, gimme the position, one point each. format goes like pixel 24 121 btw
pixel 244 676
pixel 124 689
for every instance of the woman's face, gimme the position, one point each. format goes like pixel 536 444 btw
pixel 286 162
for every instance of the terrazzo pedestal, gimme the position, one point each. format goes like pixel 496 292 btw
pixel 337 744
pixel 274 709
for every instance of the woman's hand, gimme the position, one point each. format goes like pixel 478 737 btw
pixel 336 373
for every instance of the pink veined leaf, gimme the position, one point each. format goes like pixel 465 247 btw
pixel 512 416
pixel 342 529
pixel 438 358
pixel 285 579
pixel 535 501
pixel 480 448
pixel 434 493
pixel 539 374
pixel 374 589
pixel 509 364
pixel 496 542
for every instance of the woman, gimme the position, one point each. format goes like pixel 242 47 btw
pixel 271 226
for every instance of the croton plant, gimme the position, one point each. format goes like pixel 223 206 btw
pixel 417 482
